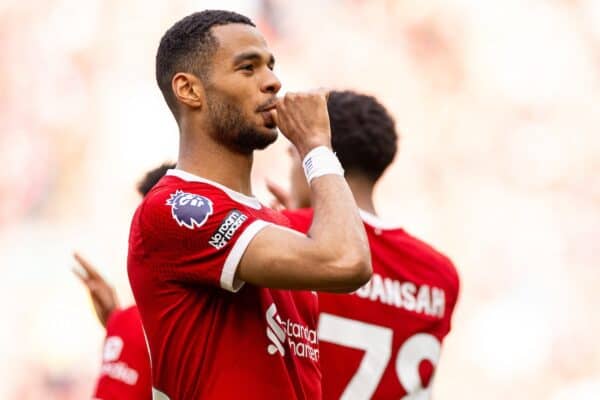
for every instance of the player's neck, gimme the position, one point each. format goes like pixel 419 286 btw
pixel 362 189
pixel 202 156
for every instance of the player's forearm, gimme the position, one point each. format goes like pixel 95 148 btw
pixel 339 232
pixel 336 255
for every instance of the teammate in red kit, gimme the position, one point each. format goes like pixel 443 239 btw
pixel 382 341
pixel 125 371
pixel 210 267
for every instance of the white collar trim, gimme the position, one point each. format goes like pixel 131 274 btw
pixel 375 221
pixel 236 196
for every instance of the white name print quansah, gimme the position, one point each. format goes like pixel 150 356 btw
pixel 423 299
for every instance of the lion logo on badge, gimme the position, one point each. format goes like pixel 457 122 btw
pixel 190 210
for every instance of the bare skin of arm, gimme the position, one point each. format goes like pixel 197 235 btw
pixel 334 256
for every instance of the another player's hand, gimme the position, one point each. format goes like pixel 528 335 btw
pixel 304 120
pixel 103 295
pixel 283 200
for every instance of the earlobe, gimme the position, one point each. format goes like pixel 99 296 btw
pixel 188 89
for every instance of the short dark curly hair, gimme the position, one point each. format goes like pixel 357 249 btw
pixel 188 46
pixel 363 133
pixel 152 177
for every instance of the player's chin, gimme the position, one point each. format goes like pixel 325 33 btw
pixel 269 135
pixel 267 128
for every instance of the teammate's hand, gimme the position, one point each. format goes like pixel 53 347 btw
pixel 303 119
pixel 283 200
pixel 103 295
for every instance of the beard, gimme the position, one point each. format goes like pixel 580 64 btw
pixel 232 129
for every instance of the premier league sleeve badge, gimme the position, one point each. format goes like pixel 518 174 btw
pixel 189 210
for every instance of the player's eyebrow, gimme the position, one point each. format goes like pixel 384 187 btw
pixel 253 56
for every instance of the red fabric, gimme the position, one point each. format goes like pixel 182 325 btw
pixel 406 308
pixel 125 373
pixel 207 342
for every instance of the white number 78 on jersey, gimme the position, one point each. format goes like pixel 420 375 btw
pixel 376 341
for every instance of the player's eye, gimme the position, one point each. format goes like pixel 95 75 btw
pixel 247 67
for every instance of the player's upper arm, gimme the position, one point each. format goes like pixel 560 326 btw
pixel 279 257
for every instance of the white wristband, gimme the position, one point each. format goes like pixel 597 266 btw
pixel 321 161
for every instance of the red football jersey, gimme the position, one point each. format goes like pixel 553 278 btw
pixel 383 341
pixel 125 370
pixel 212 336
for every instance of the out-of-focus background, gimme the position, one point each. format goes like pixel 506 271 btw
pixel 498 103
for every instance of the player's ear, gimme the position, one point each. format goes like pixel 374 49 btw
pixel 188 89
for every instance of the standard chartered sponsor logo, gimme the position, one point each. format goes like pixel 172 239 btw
pixel 112 348
pixel 302 341
pixel 121 372
pixel 274 332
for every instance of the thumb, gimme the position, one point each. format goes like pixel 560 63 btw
pixel 274 116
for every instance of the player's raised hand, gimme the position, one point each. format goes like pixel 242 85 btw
pixel 103 295
pixel 302 117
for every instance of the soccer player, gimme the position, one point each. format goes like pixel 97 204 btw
pixel 382 341
pixel 125 372
pixel 210 267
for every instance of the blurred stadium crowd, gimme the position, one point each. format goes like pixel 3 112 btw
pixel 498 104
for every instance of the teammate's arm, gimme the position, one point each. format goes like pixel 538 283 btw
pixel 335 253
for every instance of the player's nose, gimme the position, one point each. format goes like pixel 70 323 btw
pixel 271 84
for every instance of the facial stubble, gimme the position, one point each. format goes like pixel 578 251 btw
pixel 232 129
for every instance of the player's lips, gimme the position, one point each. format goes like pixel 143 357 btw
pixel 268 108
pixel 265 111
pixel 268 118
pixel 270 105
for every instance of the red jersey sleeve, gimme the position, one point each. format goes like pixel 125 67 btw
pixel 197 233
